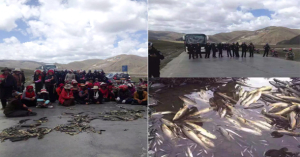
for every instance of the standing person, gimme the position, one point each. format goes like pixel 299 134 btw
pixel 214 50
pixel 237 49
pixel 154 57
pixel 220 48
pixel 89 76
pixel 232 46
pixel 244 49
pixel 140 97
pixel 70 76
pixel 228 50
pixel 23 79
pixel 18 79
pixel 50 85
pixel 198 50
pixel 191 51
pixel 207 50
pixel 7 85
pixel 66 97
pixel 267 49
pixel 29 97
pixel 38 80
pixel 251 49
pixel 16 108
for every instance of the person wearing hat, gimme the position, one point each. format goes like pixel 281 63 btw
pixel 89 76
pixel 43 99
pixel 16 108
pixel 7 85
pixel 131 88
pixel 29 97
pixel 83 94
pixel 207 50
pixel 140 97
pixel 75 90
pixel 106 93
pixel 244 49
pixel 66 97
pixel 50 81
pixel 97 83
pixel 38 80
pixel 96 96
pixel 18 79
pixel 69 77
pixel 124 95
pixel 154 57
pixel 59 89
pixel 267 49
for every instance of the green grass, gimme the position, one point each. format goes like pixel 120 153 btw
pixel 279 49
pixel 170 49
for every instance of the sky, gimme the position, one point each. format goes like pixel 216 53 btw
pixel 216 16
pixel 63 31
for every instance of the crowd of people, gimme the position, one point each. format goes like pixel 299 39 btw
pixel 68 87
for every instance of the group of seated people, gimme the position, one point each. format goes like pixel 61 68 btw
pixel 73 93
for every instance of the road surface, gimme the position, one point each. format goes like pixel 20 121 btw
pixel 114 142
pixel 258 66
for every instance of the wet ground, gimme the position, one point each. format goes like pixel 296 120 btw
pixel 246 145
pixel 121 138
pixel 257 66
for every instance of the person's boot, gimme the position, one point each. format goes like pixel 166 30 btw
pixel 32 114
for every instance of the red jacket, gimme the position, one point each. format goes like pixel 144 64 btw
pixel 105 92
pixel 64 96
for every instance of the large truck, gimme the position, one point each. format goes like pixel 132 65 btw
pixel 47 67
pixel 194 40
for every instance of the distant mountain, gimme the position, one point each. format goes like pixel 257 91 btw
pixel 136 64
pixel 271 35
pixel 293 41
pixel 165 35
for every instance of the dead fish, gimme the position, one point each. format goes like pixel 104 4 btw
pixel 225 133
pixel 191 135
pixel 244 95
pixel 187 100
pixel 227 97
pixel 23 121
pixel 207 141
pixel 287 110
pixel 261 125
pixel 254 132
pixel 234 122
pixel 167 122
pixel 289 133
pixel 223 113
pixel 202 130
pixel 246 99
pixel 254 106
pixel 241 92
pixel 189 152
pixel 292 119
pixel 181 112
pixel 264 88
pixel 272 115
pixel 201 111
pixel 290 98
pixel 162 113
pixel 253 99
pixel 243 84
pixel 233 132
pixel 198 120
pixel 167 132
pixel 248 123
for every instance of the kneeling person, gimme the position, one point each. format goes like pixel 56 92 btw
pixel 96 96
pixel 29 97
pixel 16 108
pixel 140 97
pixel 66 97
pixel 43 100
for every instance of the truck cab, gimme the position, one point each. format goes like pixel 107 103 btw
pixel 194 40
pixel 47 67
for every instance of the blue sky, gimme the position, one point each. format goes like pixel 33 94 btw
pixel 261 12
pixel 56 32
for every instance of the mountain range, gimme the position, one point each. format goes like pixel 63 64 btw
pixel 272 35
pixel 136 64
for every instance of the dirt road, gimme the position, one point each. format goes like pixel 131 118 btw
pixel 258 66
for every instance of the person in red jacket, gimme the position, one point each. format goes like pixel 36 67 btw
pixel 66 97
pixel 104 91
pixel 29 97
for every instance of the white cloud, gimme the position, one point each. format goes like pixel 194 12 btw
pixel 78 29
pixel 215 16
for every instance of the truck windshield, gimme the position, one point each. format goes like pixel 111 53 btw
pixel 195 39
pixel 47 67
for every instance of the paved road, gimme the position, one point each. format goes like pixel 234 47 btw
pixel 114 142
pixel 258 66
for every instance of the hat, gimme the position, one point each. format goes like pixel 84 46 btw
pixel 74 82
pixel 29 87
pixel 68 86
pixel 129 85
pixel 95 87
pixel 103 84
pixel 82 84
pixel 5 69
pixel 16 94
pixel 44 91
pixel 17 69
pixel 139 88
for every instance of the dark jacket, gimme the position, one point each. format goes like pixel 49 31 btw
pixel 52 82
pixel 207 48
pixel 244 47
pixel 14 105
pixel 251 48
pixel 124 94
pixel 267 47
pixel 154 57
pixel 220 46
pixel 9 82
pixel 44 96
pixel 93 93
pixel 89 76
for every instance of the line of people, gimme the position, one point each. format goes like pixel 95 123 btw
pixel 68 93
pixel 194 50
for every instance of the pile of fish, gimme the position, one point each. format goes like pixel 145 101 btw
pixel 281 116
pixel 124 114
pixel 18 133
pixel 78 124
